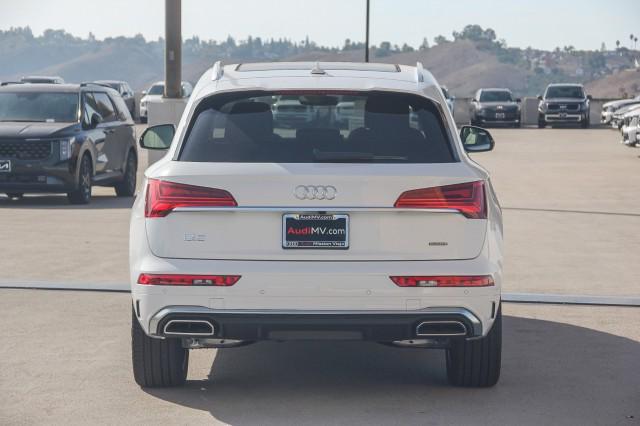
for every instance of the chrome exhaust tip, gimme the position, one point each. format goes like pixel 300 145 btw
pixel 182 327
pixel 441 329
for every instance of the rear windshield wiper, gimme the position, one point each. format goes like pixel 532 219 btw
pixel 346 157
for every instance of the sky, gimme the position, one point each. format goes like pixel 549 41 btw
pixel 543 24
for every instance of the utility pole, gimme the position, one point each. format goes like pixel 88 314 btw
pixel 173 49
pixel 366 43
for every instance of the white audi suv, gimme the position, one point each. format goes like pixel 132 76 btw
pixel 378 229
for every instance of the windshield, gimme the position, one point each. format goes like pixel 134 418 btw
pixel 156 89
pixel 495 96
pixel 564 92
pixel 39 106
pixel 313 127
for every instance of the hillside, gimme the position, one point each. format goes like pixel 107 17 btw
pixel 472 60
pixel 621 84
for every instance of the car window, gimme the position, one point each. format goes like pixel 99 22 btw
pixel 156 89
pixel 317 127
pixel 565 92
pixel 121 108
pixel 90 107
pixel 104 106
pixel 39 106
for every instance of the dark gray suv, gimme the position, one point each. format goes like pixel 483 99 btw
pixel 564 104
pixel 494 107
pixel 64 138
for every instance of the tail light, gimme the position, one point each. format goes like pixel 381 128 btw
pixel 188 280
pixel 444 281
pixel 163 197
pixel 468 198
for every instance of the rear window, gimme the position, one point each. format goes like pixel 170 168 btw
pixel 310 127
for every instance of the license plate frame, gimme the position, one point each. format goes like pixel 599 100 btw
pixel 5 166
pixel 500 115
pixel 311 225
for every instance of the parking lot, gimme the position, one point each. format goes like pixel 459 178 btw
pixel 571 205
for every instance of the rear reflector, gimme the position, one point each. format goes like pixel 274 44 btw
pixel 468 198
pixel 444 281
pixel 188 280
pixel 163 197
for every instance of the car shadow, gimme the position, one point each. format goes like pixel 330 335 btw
pixel 60 202
pixel 552 373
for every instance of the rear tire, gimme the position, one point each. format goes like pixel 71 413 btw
pixel 157 363
pixel 127 187
pixel 82 195
pixel 476 363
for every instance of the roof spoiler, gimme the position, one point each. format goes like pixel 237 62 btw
pixel 217 72
pixel 419 72
pixel 8 83
pixel 91 83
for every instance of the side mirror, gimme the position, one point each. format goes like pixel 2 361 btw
pixel 144 92
pixel 96 119
pixel 474 100
pixel 539 97
pixel 518 100
pixel 476 139
pixel 157 137
pixel 589 97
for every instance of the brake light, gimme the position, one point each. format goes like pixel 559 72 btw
pixel 444 281
pixel 188 280
pixel 163 197
pixel 468 198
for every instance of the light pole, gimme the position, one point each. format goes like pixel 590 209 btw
pixel 173 49
pixel 366 42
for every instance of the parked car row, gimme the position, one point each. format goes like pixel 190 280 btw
pixel 561 104
pixel 154 93
pixel 624 115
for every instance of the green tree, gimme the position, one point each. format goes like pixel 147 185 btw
pixel 440 40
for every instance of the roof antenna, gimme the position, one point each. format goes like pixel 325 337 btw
pixel 217 72
pixel 317 70
pixel 419 73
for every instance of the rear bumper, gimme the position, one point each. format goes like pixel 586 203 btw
pixel 355 297
pixel 380 326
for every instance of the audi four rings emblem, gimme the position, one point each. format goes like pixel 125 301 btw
pixel 313 192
